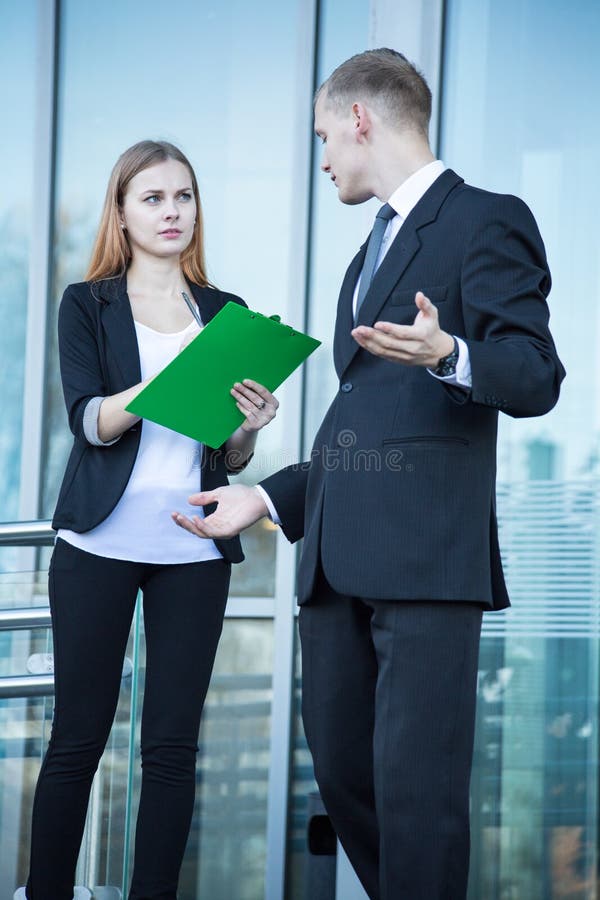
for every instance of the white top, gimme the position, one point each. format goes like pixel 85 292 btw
pixel 165 473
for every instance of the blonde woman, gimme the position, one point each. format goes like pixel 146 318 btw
pixel 117 329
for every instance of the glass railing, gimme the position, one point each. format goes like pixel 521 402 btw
pixel 226 853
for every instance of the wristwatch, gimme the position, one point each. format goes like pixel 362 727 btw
pixel 447 364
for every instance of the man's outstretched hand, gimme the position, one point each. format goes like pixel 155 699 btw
pixel 421 344
pixel 239 506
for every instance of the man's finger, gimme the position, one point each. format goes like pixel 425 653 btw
pixel 187 524
pixel 400 332
pixel 424 304
pixel 383 341
pixel 203 498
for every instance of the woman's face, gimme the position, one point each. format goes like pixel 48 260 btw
pixel 159 210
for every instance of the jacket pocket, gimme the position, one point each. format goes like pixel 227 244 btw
pixel 436 293
pixel 428 440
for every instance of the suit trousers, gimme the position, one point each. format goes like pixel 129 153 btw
pixel 92 601
pixel 388 704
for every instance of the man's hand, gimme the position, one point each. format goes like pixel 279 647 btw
pixel 239 506
pixel 421 344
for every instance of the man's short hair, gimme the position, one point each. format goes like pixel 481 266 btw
pixel 388 80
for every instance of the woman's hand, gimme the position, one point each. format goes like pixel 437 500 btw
pixel 256 403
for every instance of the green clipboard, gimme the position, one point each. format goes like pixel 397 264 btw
pixel 192 394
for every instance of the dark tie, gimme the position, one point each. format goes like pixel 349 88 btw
pixel 381 220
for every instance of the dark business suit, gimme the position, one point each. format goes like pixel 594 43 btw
pixel 397 510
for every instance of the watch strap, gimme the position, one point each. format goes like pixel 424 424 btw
pixel 447 364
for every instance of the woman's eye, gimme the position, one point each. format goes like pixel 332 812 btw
pixel 153 198
pixel 185 196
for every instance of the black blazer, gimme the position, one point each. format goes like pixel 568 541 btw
pixel 99 356
pixel 398 499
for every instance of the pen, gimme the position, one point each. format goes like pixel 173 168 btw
pixel 192 308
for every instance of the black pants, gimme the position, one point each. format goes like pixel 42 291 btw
pixel 92 600
pixel 389 707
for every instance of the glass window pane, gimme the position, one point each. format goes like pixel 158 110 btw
pixel 337 230
pixel 220 81
pixel 300 865
pixel 226 852
pixel 17 101
pixel 520 80
pixel 24 732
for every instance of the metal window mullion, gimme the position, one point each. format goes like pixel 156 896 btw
pixel 39 267
pixel 415 28
pixel 283 663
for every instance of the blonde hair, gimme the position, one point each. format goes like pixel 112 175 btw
pixel 111 253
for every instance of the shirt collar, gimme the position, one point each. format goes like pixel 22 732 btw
pixel 406 197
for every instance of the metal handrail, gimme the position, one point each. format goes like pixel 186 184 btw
pixel 24 619
pixel 26 534
pixel 38 533
pixel 12 686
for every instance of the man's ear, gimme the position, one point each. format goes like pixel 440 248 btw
pixel 361 120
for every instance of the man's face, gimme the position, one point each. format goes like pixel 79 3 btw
pixel 343 154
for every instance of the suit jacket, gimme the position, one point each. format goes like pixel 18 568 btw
pixel 398 499
pixel 98 357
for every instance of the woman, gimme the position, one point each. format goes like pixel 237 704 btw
pixel 115 535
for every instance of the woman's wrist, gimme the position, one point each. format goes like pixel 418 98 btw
pixel 242 441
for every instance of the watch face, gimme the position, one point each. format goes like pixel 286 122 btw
pixel 447 364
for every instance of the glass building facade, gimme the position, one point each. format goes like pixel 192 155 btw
pixel 231 83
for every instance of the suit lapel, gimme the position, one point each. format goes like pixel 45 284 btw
pixel 406 245
pixel 208 300
pixel 343 342
pixel 403 250
pixel 117 321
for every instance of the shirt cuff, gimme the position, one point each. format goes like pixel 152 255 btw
pixel 462 377
pixel 272 511
pixel 90 424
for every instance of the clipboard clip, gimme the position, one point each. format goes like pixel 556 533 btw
pixel 275 318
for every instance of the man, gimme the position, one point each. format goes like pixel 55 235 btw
pixel 397 504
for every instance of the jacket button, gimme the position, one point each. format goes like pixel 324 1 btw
pixel 347 387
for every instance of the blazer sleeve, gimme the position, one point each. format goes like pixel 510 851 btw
pixel 504 284
pixel 79 355
pixel 287 491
